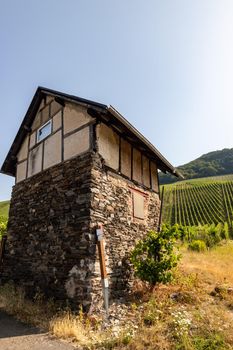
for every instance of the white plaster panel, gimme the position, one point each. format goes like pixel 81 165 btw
pixel 126 158
pixel 74 117
pixel 52 150
pixel 137 165
pixel 21 172
pixel 35 160
pixel 154 177
pixel 32 139
pixel 45 115
pixel 146 171
pixel 138 205
pixel 23 152
pixel 77 143
pixel 108 143
pixel 55 108
pixel 57 121
pixel 37 122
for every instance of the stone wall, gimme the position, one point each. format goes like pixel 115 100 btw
pixel 49 235
pixel 112 206
pixel 51 243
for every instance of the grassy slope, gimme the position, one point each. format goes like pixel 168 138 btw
pixel 4 209
pixel 204 200
pixel 183 315
pixel 189 314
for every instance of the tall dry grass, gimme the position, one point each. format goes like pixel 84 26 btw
pixel 36 312
pixel 161 317
pixel 213 267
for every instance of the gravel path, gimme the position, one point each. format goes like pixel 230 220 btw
pixel 15 335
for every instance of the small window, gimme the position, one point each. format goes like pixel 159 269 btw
pixel 44 131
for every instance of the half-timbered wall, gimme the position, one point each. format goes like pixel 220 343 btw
pixel 126 159
pixel 68 136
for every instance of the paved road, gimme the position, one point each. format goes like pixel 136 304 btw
pixel 15 335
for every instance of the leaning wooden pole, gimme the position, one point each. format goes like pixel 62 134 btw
pixel 2 248
pixel 103 270
pixel 161 209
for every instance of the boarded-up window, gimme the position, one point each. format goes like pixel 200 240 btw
pixel 154 177
pixel 146 171
pixel 137 165
pixel 108 142
pixel 125 158
pixel 138 205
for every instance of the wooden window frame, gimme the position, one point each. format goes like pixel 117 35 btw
pixel 38 140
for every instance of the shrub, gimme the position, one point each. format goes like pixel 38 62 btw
pixel 214 236
pixel 225 231
pixel 197 246
pixel 3 228
pixel 153 257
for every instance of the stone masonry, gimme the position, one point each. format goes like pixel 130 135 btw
pixel 51 244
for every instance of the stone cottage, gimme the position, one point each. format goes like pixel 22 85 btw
pixel 77 164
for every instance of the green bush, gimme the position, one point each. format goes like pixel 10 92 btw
pixel 153 257
pixel 210 234
pixel 225 232
pixel 197 246
pixel 211 342
pixel 3 228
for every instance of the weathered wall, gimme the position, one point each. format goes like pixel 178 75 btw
pixel 51 240
pixel 112 205
pixel 49 236
pixel 123 157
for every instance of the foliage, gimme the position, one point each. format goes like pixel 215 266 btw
pixel 153 258
pixel 210 164
pixel 210 235
pixel 3 228
pixel 197 246
pixel 4 209
pixel 211 342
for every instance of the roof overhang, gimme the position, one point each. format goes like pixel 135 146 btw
pixel 106 114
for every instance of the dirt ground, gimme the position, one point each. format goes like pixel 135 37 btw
pixel 15 335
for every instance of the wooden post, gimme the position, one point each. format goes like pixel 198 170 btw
pixel 161 208
pixel 2 248
pixel 103 270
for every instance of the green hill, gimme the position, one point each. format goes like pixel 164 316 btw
pixel 4 209
pixel 211 164
pixel 195 201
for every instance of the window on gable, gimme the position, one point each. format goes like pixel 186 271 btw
pixel 44 131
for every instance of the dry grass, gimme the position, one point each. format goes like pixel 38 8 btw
pixel 36 312
pixel 212 267
pixel 76 328
pixel 183 315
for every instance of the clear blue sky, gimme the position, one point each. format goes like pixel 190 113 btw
pixel 166 65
